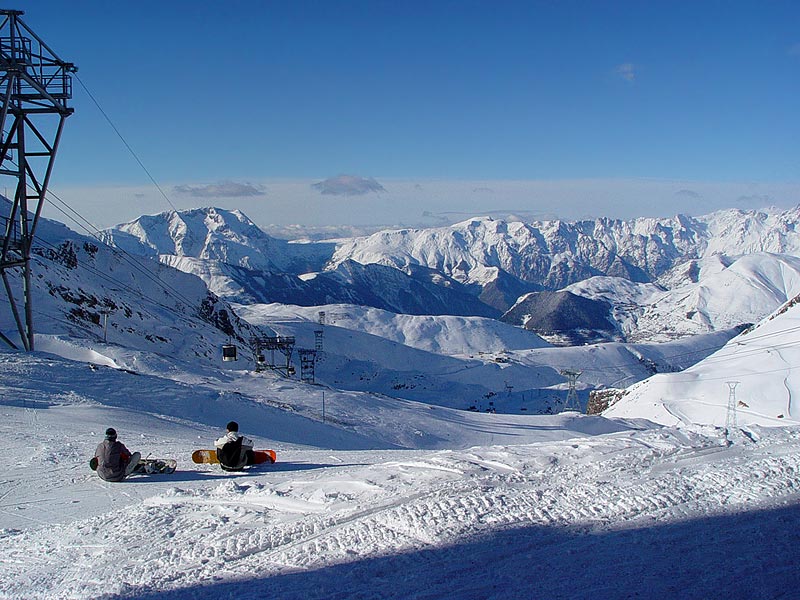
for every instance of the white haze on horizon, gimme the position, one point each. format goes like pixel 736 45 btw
pixel 295 208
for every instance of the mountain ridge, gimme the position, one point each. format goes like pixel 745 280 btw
pixel 481 266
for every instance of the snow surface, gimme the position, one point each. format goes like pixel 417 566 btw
pixel 498 506
pixel 463 362
pixel 376 495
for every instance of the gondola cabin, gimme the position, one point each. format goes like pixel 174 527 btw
pixel 229 352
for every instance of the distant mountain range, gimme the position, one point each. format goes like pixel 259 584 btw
pixel 243 264
pixel 655 278
pixel 135 311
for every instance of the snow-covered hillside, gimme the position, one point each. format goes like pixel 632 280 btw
pixel 449 335
pixel 376 495
pixel 87 290
pixel 757 371
pixel 465 362
pixel 507 508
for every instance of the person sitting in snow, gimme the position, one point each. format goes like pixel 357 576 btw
pixel 114 461
pixel 234 451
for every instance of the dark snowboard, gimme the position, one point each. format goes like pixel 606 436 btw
pixel 147 466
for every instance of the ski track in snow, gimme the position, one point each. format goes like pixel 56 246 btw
pixel 274 523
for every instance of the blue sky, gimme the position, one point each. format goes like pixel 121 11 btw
pixel 432 110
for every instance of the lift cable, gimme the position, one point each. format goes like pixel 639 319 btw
pixel 124 141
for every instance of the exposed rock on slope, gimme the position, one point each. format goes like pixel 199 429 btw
pixel 563 317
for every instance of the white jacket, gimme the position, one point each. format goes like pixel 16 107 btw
pixel 232 436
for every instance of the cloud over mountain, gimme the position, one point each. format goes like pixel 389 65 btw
pixel 348 185
pixel 627 71
pixel 223 189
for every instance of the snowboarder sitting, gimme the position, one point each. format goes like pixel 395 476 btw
pixel 114 461
pixel 234 451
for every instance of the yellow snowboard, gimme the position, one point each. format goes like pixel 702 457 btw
pixel 210 456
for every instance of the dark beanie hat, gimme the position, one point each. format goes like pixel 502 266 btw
pixel 111 433
pixel 232 426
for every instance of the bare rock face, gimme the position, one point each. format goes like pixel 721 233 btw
pixel 600 400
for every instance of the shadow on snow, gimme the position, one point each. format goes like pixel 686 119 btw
pixel 752 555
pixel 218 473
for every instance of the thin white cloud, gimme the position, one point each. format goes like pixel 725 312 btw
pixel 627 71
pixel 348 185
pixel 224 189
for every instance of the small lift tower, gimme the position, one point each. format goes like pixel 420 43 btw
pixel 35 85
pixel 572 403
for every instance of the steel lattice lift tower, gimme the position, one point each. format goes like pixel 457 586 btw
pixel 35 85
pixel 283 344
pixel 732 432
pixel 308 359
pixel 572 403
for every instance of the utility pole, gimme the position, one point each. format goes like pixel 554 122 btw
pixel 105 312
pixel 35 85
pixel 731 427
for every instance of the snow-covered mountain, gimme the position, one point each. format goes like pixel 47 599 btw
pixel 565 318
pixel 85 290
pixel 483 266
pixel 698 296
pixel 241 263
pixel 130 312
pixel 555 254
pixel 214 234
pixel 709 294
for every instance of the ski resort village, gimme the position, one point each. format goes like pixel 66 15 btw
pixel 198 402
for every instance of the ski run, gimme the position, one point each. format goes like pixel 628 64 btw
pixel 641 513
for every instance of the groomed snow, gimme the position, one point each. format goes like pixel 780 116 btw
pixel 563 506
